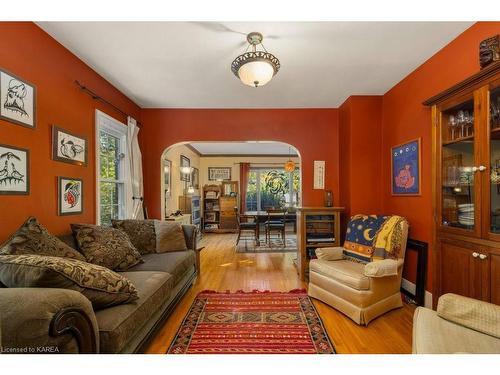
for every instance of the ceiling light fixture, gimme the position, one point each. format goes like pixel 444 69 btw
pixel 255 68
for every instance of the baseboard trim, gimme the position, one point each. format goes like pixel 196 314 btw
pixel 411 287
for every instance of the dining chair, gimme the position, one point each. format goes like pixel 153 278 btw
pixel 275 223
pixel 247 223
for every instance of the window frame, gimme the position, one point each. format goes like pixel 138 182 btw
pixel 113 127
pixel 290 192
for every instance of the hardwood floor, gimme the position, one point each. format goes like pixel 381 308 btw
pixel 223 269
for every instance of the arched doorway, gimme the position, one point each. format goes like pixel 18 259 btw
pixel 265 182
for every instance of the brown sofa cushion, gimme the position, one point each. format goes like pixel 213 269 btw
pixel 107 247
pixel 33 238
pixel 119 324
pixel 100 285
pixel 141 233
pixel 169 237
pixel 176 263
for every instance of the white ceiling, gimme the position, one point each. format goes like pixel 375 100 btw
pixel 187 64
pixel 243 148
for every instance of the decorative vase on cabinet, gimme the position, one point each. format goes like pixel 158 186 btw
pixel 466 191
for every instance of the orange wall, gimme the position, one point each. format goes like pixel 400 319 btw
pixel 30 53
pixel 405 118
pixel 360 158
pixel 314 132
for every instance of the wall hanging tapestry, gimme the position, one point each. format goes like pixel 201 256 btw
pixel 252 323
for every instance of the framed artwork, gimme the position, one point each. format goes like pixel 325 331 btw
pixel 68 147
pixel 219 173
pixel 319 174
pixel 405 168
pixel 195 178
pixel 167 177
pixel 185 162
pixel 14 170
pixel 70 196
pixel 17 100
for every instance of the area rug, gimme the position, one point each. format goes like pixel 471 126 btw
pixel 247 245
pixel 252 323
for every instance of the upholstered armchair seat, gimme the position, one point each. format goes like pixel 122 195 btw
pixel 360 291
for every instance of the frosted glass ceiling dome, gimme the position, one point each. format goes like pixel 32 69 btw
pixel 255 68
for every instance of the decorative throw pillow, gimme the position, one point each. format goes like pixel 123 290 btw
pixel 107 247
pixel 141 233
pixel 33 238
pixel 103 287
pixel 169 237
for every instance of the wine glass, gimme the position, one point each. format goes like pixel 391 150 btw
pixel 461 122
pixel 452 124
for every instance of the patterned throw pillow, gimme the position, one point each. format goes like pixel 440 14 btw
pixel 169 237
pixel 33 238
pixel 107 247
pixel 141 233
pixel 103 287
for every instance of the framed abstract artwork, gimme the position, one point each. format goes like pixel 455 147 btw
pixel 18 100
pixel 219 173
pixel 70 196
pixel 405 168
pixel 68 147
pixel 14 170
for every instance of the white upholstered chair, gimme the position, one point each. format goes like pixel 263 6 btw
pixel 360 291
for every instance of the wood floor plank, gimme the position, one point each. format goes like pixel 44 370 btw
pixel 223 269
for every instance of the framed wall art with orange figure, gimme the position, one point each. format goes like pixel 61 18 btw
pixel 405 168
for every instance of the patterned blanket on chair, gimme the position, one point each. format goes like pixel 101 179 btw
pixel 373 237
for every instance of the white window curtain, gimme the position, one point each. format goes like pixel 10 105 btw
pixel 135 189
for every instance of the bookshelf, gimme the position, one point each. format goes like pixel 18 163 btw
pixel 211 208
pixel 316 227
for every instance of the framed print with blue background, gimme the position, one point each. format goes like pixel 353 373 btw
pixel 405 168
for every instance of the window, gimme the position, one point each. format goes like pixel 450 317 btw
pixel 272 188
pixel 111 159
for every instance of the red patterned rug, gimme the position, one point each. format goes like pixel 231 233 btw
pixel 252 323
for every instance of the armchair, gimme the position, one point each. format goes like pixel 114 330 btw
pixel 360 288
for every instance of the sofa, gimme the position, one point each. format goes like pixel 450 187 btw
pixel 44 320
pixel 460 325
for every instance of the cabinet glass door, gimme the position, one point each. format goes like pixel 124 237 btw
pixel 457 167
pixel 494 127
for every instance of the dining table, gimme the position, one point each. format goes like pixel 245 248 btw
pixel 261 217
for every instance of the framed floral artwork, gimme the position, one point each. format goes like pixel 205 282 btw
pixel 405 168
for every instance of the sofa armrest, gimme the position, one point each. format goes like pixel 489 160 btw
pixel 471 313
pixel 44 320
pixel 190 233
pixel 330 253
pixel 383 268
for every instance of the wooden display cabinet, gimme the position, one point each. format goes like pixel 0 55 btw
pixel 466 187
